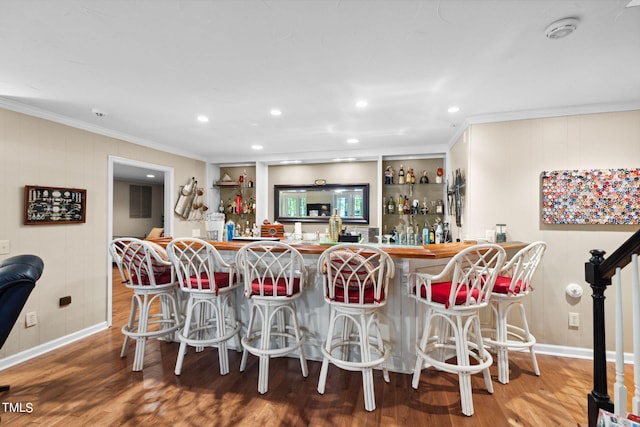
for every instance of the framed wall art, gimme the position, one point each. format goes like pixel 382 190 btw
pixel 593 196
pixel 54 205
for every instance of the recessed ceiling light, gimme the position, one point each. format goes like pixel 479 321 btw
pixel 288 162
pixel 345 159
pixel 275 112
pixel 453 109
pixel 352 141
pixel 151 176
pixel 257 147
pixel 203 118
pixel 362 103
pixel 561 28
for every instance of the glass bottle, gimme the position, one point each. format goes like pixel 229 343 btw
pixel 335 226
pixel 238 204
pixel 221 206
pixel 425 234
pixel 391 206
pixel 230 225
pixel 401 175
pixel 400 205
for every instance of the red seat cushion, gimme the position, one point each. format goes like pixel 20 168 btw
pixel 161 278
pixel 281 287
pixel 440 293
pixel 354 295
pixel 221 280
pixel 502 286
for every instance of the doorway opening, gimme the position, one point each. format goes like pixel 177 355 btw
pixel 121 169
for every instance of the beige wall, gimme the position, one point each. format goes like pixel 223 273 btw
pixel 503 166
pixel 40 152
pixel 123 225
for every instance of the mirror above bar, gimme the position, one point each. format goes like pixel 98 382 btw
pixel 315 203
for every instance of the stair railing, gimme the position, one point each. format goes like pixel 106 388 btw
pixel 598 273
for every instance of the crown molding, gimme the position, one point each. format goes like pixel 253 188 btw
pixel 508 116
pixel 29 110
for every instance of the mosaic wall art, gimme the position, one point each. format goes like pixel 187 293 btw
pixel 594 196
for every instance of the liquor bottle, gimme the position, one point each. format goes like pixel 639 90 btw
pixel 432 235
pixel 391 206
pixel 238 202
pixel 447 233
pixel 440 207
pixel 425 235
pixel 406 208
pixel 401 175
pixel 230 225
pixel 221 206
pixel 439 234
pixel 400 206
pixel 335 226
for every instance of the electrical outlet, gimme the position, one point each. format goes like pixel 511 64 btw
pixel 31 319
pixel 574 320
pixel 5 247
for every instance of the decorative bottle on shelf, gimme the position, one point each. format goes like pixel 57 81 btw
pixel 440 207
pixel 221 206
pixel 439 234
pixel 238 209
pixel 425 234
pixel 447 233
pixel 230 226
pixel 401 175
pixel 439 173
pixel 335 225
pixel 391 206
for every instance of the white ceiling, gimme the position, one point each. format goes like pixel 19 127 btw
pixel 154 65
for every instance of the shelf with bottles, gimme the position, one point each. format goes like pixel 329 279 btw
pixel 237 194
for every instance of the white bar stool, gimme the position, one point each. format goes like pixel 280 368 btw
pixel 274 277
pixel 145 268
pixel 452 300
pixel 356 278
pixel 512 285
pixel 210 283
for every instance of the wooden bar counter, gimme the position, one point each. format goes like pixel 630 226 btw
pixel 397 317
pixel 441 250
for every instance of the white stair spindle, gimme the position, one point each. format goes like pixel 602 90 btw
pixel 635 284
pixel 619 389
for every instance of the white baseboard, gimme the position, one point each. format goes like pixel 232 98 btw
pixel 39 350
pixel 577 352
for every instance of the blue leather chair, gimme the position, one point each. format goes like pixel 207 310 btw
pixel 18 277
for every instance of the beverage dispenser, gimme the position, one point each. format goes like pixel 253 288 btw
pixel 214 225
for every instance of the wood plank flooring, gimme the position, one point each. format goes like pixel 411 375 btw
pixel 88 383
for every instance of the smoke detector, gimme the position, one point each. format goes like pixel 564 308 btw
pixel 562 28
pixel 98 113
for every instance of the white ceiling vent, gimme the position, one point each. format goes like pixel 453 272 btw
pixel 562 28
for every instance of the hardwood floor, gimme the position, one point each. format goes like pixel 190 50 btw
pixel 87 383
